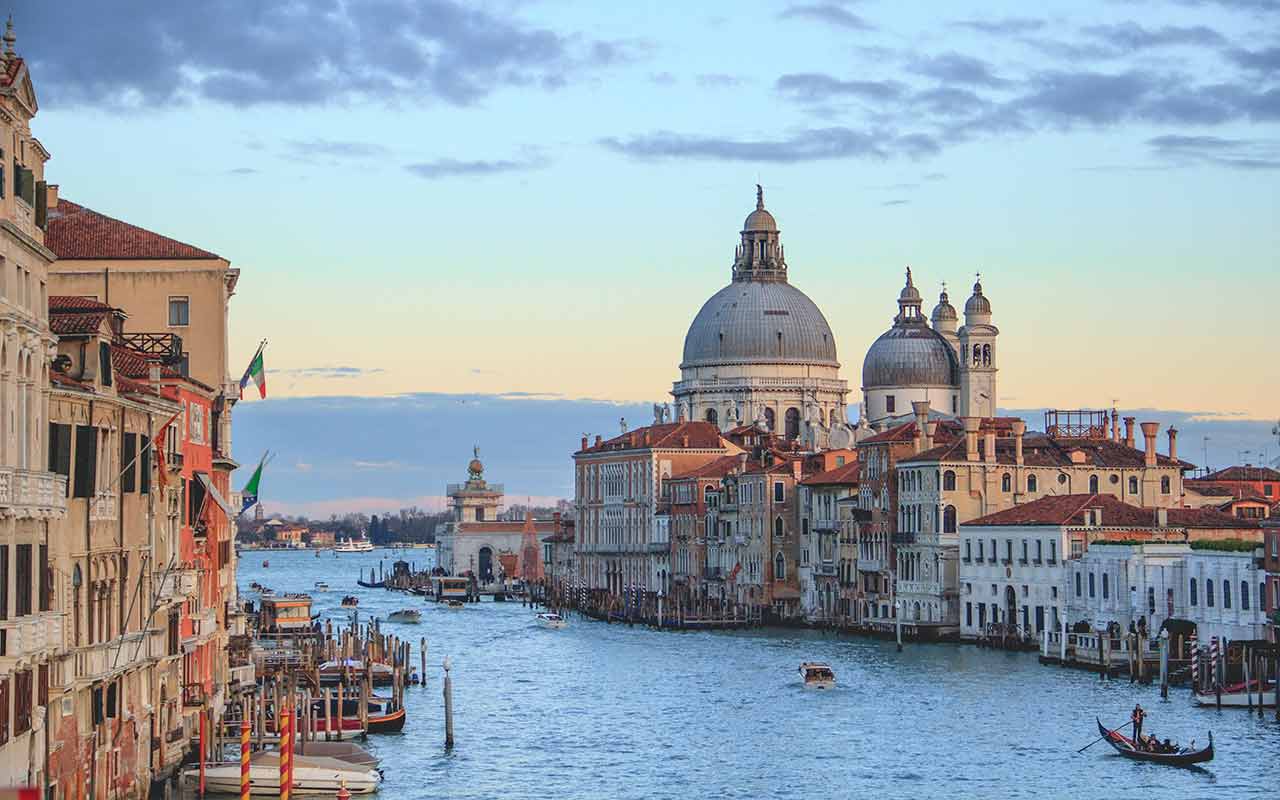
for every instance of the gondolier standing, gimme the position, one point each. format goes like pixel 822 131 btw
pixel 1137 717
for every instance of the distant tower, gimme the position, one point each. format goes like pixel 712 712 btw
pixel 476 500
pixel 978 357
pixel 258 513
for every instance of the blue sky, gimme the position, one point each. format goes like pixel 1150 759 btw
pixel 487 198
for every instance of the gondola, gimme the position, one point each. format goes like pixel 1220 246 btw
pixel 1183 758
pixel 371 584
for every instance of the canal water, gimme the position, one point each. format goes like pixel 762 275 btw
pixel 609 711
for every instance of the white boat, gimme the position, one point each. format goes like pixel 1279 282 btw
pixel 552 620
pixel 361 545
pixel 817 675
pixel 321 586
pixel 405 615
pixel 1236 699
pixel 311 776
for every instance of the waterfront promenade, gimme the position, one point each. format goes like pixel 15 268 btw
pixel 602 710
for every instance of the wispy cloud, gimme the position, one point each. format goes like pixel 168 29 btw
pixel 242 171
pixel 452 168
pixel 310 149
pixel 899 202
pixel 834 14
pixel 820 144
pixel 1128 37
pixel 329 372
pixel 719 80
pixel 1001 27
pixel 957 68
pixel 1234 153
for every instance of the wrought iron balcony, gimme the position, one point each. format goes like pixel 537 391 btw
pixel 164 347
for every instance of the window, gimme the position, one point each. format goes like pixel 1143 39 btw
pixel 778 491
pixel 179 311
pixel 86 465
pixel 1006 482
pixel 1165 485
pixel 1133 485
pixel 967 550
pixel 1195 601
pixel 1091 592
pixel 793 423
pixel 1053 551
pixel 46 579
pixel 980 556
pixel 777 527
pixel 1226 594
pixel 1039 550
pixel 129 478
pixel 22 570
pixel 949 522
pixel 712 416
pixel 779 568
pixel 1093 484
pixel 1244 596
pixel 890 403
pixel 1008 551
pixel 1208 592
pixel 4 600
pixel 1024 551
pixel 104 362
pixel 144 464
pixel 948 481
pixel 968 614
pixel 1151 600
pixel 22 686
pixel 1106 586
pixel 1031 483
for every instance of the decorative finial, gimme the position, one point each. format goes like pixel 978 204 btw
pixel 909 276
pixel 9 38
pixel 759 197
pixel 977 283
pixel 475 451
pixel 944 290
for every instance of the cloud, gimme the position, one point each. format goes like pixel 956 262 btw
pixel 816 87
pixel 1266 61
pixel 821 144
pixel 719 80
pixel 1128 37
pixel 242 171
pixel 895 202
pixel 452 168
pixel 663 79
pixel 827 13
pixel 1001 27
pixel 246 53
pixel 1235 153
pixel 381 466
pixel 312 149
pixel 329 372
pixel 953 68
pixel 303 466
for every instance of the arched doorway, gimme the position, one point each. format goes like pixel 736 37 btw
pixel 1010 605
pixel 712 416
pixel 486 564
pixel 793 423
pixel 770 423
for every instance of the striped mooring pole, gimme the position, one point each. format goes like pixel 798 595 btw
pixel 286 754
pixel 244 758
pixel 1195 664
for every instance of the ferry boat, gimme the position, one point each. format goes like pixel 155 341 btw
pixel 817 675
pixel 405 615
pixel 361 545
pixel 552 620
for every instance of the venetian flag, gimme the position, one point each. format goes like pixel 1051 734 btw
pixel 249 494
pixel 256 373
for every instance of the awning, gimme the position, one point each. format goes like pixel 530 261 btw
pixel 216 495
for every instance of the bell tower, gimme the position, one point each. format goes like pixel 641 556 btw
pixel 978 357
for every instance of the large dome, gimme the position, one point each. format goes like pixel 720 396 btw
pixel 753 322
pixel 910 355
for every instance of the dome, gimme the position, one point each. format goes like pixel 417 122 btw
pixel 741 324
pixel 910 355
pixel 944 310
pixel 760 220
pixel 977 304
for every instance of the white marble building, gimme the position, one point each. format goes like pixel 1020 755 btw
pixel 1012 573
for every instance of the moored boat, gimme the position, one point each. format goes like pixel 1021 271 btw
pixel 334 671
pixel 409 615
pixel 350 601
pixel 454 605
pixel 1236 697
pixel 311 775
pixel 321 586
pixel 817 675
pixel 552 620
pixel 1181 757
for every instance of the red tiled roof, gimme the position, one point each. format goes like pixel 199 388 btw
pixel 666 436
pixel 1068 509
pixel 76 232
pixel 946 431
pixel 505 526
pixel 77 323
pixel 1243 474
pixel 714 469
pixel 1209 490
pixel 72 303
pixel 129 362
pixel 840 476
pixel 1040 450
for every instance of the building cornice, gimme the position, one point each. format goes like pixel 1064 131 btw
pixel 25 240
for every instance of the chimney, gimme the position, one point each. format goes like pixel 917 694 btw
pixel 930 433
pixel 646 438
pixel 921 407
pixel 971 438
pixel 797 469
pixel 684 440
pixel 1097 517
pixel 990 445
pixel 1019 430
pixel 622 422
pixel 599 439
pixel 1149 431
pixel 1115 425
pixel 1173 443
pixel 1128 431
pixel 584 442
pixel 51 195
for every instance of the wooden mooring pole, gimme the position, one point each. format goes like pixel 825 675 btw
pixel 448 705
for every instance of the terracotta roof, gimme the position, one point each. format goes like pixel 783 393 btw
pixel 714 469
pixel 1243 474
pixel 1209 490
pixel 946 431
pixel 666 436
pixel 1039 450
pixel 129 362
pixel 76 232
pixel 77 323
pixel 1068 509
pixel 840 476
pixel 72 303
pixel 505 526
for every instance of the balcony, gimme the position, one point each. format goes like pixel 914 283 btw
pixel 824 568
pixel 243 675
pixel 659 547
pixel 30 637
pixel 870 565
pixel 712 574
pixel 30 494
pixel 826 525
pixel 193 695
pixel 178 584
pixel 103 507
pixel 100 661
pixel 904 537
pixel 205 624
pixel 167 347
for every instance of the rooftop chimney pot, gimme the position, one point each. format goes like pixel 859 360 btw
pixel 1128 431
pixel 1149 431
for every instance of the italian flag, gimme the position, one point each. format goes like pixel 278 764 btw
pixel 249 494
pixel 256 373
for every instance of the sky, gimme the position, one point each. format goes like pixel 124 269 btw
pixel 517 199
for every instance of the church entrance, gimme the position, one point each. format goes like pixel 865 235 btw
pixel 486 564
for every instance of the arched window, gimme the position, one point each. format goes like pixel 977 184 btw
pixel 770 422
pixel 949 519
pixel 1195 601
pixel 986 355
pixel 713 417
pixel 709 497
pixel 777 527
pixel 1106 586
pixel 977 354
pixel 1244 595
pixel 1151 600
pixel 1093 484
pixel 1031 483
pixel 1006 482
pixel 1091 589
pixel 779 568
pixel 1133 485
pixel 1208 592
pixel 793 423
pixel 948 481
pixel 1165 485
pixel 1077 584
pixel 1226 594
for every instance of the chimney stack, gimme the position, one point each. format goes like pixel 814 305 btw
pixel 584 441
pixel 1128 431
pixel 921 407
pixel 1115 425
pixel 1019 430
pixel 599 439
pixel 1149 431
pixel 989 444
pixel 1173 443
pixel 930 434
pixel 971 438
pixel 1162 517
pixel 51 195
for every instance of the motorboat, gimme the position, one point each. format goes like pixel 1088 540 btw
pixel 350 601
pixel 312 775
pixel 332 672
pixel 407 615
pixel 384 715
pixel 817 675
pixel 321 586
pixel 454 605
pixel 1178 757
pixel 1237 697
pixel 552 620
pixel 350 545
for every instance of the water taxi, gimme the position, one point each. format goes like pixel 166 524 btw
pixel 311 775
pixel 321 586
pixel 552 620
pixel 454 605
pixel 817 675
pixel 410 615
pixel 350 601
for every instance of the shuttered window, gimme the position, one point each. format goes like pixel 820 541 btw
pixel 196 494
pixel 42 204
pixel 129 478
pixel 22 587
pixel 144 464
pixel 4 583
pixel 104 362
pixel 86 464
pixel 45 577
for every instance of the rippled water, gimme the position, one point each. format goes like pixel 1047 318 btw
pixel 597 711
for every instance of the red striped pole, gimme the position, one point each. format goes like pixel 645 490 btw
pixel 286 754
pixel 244 759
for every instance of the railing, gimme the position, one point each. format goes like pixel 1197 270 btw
pixel 489 488
pixel 193 695
pixel 904 537
pixel 103 506
pixel 32 493
pixel 244 675
pixel 824 568
pixel 826 525
pixel 97 661
pixel 870 565
pixel 808 383
pixel 165 346
pixel 659 547
pixel 205 623
pixel 177 584
pixel 28 637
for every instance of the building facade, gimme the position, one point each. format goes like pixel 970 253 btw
pixel 826 523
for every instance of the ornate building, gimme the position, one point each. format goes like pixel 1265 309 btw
pixel 954 370
pixel 760 350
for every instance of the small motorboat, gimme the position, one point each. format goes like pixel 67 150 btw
pixel 350 601
pixel 408 615
pixel 817 675
pixel 552 620
pixel 311 775
pixel 321 586
pixel 454 605
pixel 1237 697
pixel 265 564
pixel 384 715
pixel 1180 757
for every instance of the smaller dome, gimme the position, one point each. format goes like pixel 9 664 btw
pixel 977 304
pixel 760 220
pixel 944 310
pixel 909 293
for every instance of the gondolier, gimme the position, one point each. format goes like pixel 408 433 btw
pixel 1137 717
